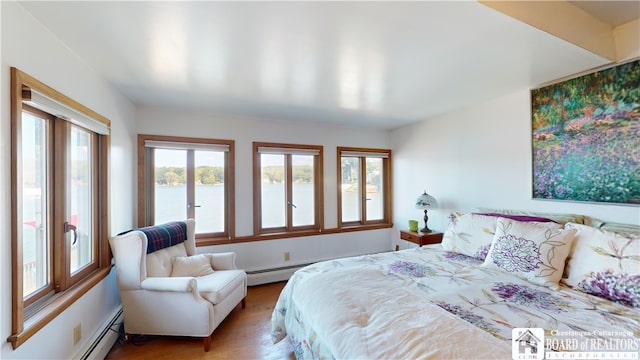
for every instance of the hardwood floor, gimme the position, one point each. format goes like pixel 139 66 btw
pixel 244 334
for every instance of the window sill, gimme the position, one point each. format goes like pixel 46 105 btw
pixel 56 307
pixel 359 227
pixel 284 235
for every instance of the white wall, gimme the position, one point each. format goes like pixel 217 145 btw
pixel 477 157
pixel 269 254
pixel 31 48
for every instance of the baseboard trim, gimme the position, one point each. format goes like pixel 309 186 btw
pixel 102 342
pixel 266 276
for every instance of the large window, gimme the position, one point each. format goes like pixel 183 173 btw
pixel 59 203
pixel 287 188
pixel 187 178
pixel 364 197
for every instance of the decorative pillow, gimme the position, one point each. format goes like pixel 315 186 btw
pixel 605 263
pixel 196 265
pixel 621 288
pixel 469 234
pixel 612 226
pixel 534 251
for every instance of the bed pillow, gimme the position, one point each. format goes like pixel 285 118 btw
pixel 557 217
pixel 469 234
pixel 534 251
pixel 524 218
pixel 612 226
pixel 605 264
pixel 196 265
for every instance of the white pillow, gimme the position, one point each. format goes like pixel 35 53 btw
pixel 196 265
pixel 605 263
pixel 534 251
pixel 469 234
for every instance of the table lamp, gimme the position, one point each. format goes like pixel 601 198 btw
pixel 426 202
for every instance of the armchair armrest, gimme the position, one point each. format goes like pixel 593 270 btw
pixel 223 261
pixel 175 284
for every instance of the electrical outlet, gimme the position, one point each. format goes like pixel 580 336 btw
pixel 77 333
pixel 287 256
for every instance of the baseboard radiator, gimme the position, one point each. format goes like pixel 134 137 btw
pixel 265 276
pixel 98 347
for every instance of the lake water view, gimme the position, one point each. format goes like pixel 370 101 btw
pixel 210 215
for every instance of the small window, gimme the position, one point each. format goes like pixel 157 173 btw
pixel 365 186
pixel 187 178
pixel 287 187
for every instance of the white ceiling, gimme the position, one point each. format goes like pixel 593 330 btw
pixel 371 64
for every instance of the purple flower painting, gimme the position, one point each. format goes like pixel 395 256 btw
pixel 586 137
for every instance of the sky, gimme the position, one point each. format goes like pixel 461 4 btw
pixel 178 158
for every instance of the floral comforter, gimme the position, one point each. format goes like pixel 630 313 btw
pixel 429 303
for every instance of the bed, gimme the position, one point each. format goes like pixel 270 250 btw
pixel 494 276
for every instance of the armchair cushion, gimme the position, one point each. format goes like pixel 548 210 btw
pixel 196 265
pixel 159 263
pixel 175 284
pixel 217 286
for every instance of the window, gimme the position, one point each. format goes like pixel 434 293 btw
pixel 187 178
pixel 59 179
pixel 365 186
pixel 287 188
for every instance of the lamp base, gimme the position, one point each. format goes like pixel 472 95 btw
pixel 425 229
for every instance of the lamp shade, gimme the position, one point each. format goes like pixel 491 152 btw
pixel 426 201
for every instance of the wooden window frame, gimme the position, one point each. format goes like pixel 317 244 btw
pixel 318 177
pixel 386 221
pixel 43 291
pixel 67 289
pixel 146 201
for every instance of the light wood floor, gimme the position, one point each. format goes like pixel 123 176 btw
pixel 244 334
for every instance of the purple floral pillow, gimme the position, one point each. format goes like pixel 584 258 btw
pixel 621 288
pixel 534 251
pixel 605 263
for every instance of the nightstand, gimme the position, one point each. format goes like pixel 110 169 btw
pixel 421 238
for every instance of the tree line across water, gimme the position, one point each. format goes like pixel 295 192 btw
pixel 212 175
pixel 302 174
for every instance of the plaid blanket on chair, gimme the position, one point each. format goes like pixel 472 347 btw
pixel 165 235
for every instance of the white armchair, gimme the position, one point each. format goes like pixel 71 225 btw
pixel 170 290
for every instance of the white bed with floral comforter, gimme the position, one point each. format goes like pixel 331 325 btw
pixel 432 302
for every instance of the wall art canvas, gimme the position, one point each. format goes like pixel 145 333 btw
pixel 586 137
